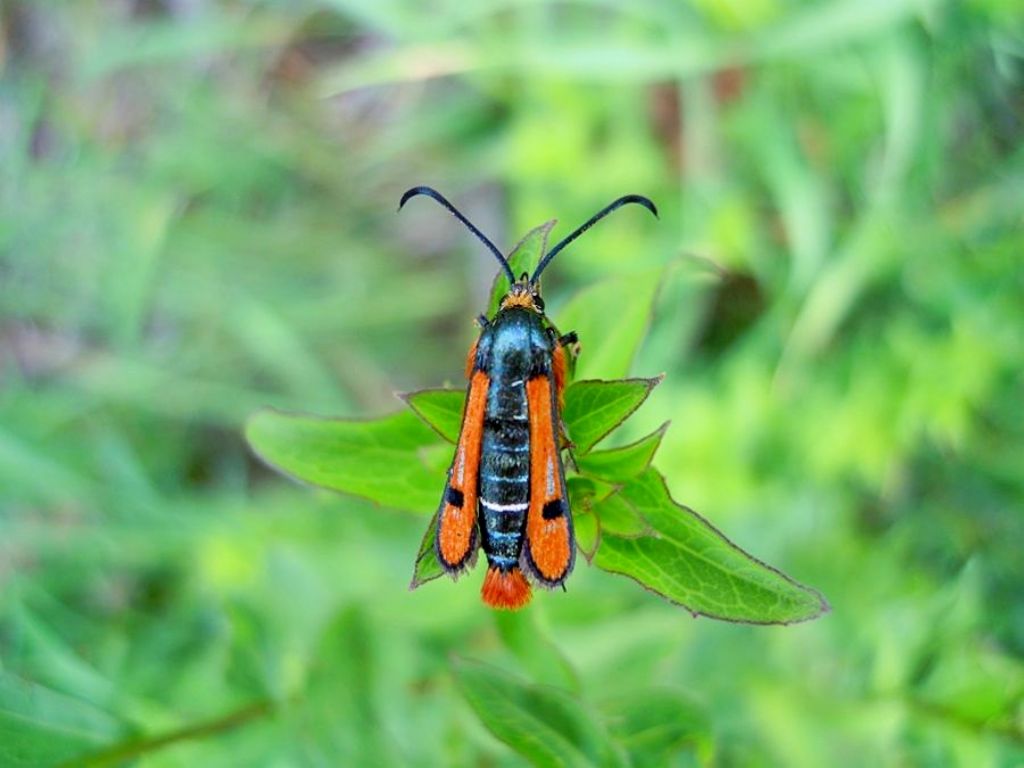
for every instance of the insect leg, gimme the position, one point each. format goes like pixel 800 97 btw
pixel 571 342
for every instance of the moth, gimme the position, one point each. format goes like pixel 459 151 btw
pixel 505 491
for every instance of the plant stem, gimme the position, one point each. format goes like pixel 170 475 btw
pixel 133 748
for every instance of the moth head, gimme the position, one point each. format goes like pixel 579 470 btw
pixel 524 293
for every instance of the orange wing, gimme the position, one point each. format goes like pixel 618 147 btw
pixel 457 536
pixel 550 548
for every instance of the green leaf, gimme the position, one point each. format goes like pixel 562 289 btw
pixel 441 409
pixel 616 516
pixel 526 639
pixel 654 724
pixel 691 563
pixel 39 726
pixel 427 567
pixel 584 494
pixel 130 750
pixel 545 725
pixel 342 697
pixel 523 258
pixel 595 408
pixel 625 462
pixel 587 532
pixel 611 318
pixel 396 460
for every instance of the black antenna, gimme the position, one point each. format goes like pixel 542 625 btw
pixel 434 194
pixel 638 199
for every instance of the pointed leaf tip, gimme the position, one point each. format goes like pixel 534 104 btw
pixel 688 561
pixel 522 258
pixel 594 408
pixel 427 567
pixel 625 462
pixel 440 409
pixel 389 460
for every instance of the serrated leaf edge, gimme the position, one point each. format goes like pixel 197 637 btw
pixel 405 397
pixel 823 604
pixel 660 432
pixel 300 480
pixel 651 383
pixel 416 582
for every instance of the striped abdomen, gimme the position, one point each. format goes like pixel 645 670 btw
pixel 504 479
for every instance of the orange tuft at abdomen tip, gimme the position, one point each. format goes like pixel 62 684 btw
pixel 505 590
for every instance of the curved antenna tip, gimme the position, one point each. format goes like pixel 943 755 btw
pixel 411 193
pixel 614 205
pixel 439 198
pixel 646 202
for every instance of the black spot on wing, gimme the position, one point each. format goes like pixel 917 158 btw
pixel 454 497
pixel 553 510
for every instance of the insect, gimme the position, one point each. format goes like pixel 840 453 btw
pixel 505 491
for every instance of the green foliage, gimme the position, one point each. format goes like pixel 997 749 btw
pixel 656 724
pixel 594 408
pixel 621 463
pixel 197 220
pixel 382 460
pixel 611 318
pixel 543 724
pixel 41 726
pixel 426 566
pixel 683 558
pixel 440 409
pixel 679 555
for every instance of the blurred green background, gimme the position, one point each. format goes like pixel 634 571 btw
pixel 197 218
